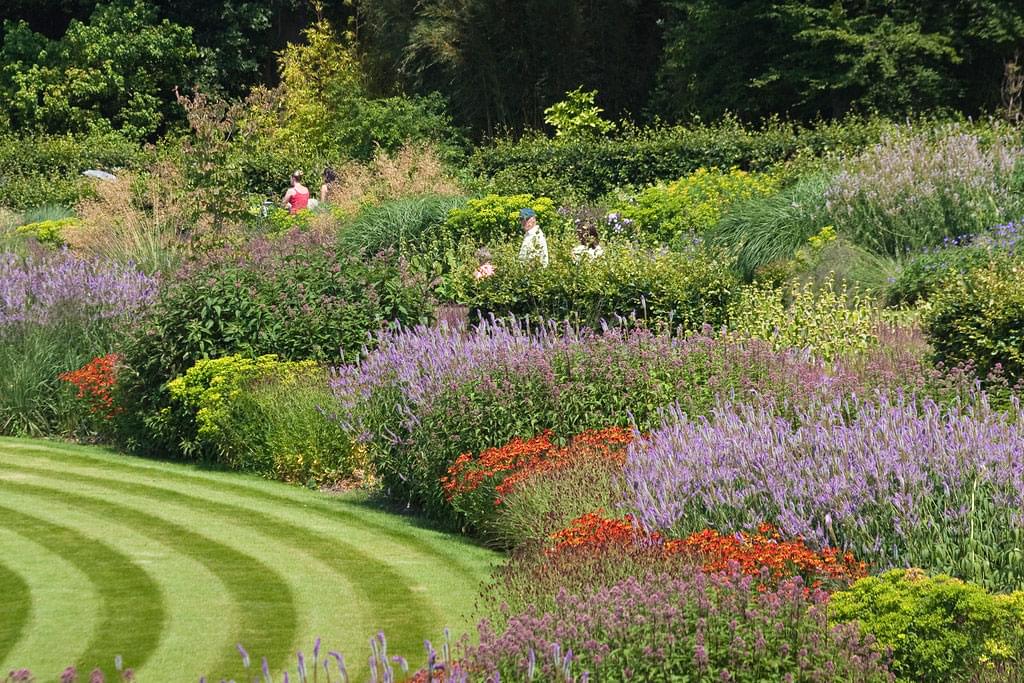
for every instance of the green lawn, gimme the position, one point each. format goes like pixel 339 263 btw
pixel 171 566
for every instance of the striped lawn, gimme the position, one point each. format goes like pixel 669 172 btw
pixel 170 566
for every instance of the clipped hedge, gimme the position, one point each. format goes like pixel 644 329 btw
pixel 684 289
pixel 47 169
pixel 586 168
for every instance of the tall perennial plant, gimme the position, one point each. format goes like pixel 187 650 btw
pixel 900 482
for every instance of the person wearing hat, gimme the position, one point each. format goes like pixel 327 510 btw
pixel 535 247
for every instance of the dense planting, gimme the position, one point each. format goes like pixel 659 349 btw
pixel 741 403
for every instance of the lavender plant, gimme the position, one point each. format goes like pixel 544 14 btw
pixel 902 483
pixel 501 381
pixel 57 312
pixel 52 289
pixel 912 190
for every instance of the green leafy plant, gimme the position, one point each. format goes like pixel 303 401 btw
pixel 495 217
pixel 260 415
pixel 675 288
pixel 694 203
pixel 830 322
pixel 48 232
pixel 978 318
pixel 938 628
pixel 577 115
pixel 295 296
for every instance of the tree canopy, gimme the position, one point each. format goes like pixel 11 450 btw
pixel 69 65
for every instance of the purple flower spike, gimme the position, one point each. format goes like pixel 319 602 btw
pixel 69 675
pixel 316 649
pixel 245 655
pixel 302 667
pixel 266 671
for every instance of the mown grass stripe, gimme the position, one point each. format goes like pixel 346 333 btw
pixel 264 599
pixel 132 608
pixel 65 604
pixel 15 608
pixel 423 540
pixel 398 610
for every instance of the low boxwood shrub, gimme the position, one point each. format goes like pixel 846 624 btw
pixel 937 628
pixel 296 297
pixel 261 415
pixel 676 288
pixel 978 318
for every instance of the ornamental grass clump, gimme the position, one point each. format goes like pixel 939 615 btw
pixel 477 486
pixel 685 625
pixel 899 482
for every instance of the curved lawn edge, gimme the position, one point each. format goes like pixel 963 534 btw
pixel 410 580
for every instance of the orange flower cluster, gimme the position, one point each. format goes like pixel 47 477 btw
pixel 596 445
pixel 94 382
pixel 520 459
pixel 752 553
pixel 594 531
pixel 767 549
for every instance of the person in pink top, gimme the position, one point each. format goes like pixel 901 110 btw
pixel 297 197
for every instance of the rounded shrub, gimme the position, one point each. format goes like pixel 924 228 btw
pixel 937 628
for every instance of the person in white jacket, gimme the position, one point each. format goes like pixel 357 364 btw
pixel 535 246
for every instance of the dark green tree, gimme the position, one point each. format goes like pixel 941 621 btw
pixel 501 64
pixel 117 70
pixel 825 57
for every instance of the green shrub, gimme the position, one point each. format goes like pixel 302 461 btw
pixel 47 169
pixel 295 296
pixel 694 203
pixel 260 415
pixel 680 289
pixel 828 322
pixel 938 628
pixel 765 231
pixel 494 217
pixel 926 272
pixel 568 168
pixel 978 318
pixel 48 232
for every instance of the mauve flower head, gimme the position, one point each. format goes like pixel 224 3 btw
pixel 49 288
pixel 886 478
